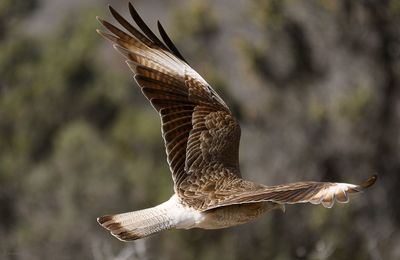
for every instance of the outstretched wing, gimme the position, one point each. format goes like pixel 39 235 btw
pixel 198 129
pixel 240 191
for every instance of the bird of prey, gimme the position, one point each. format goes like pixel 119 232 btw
pixel 202 141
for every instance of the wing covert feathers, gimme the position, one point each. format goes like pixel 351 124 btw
pixel 201 135
pixel 198 128
pixel 325 193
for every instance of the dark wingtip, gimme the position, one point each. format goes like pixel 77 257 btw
pixel 112 10
pixel 145 29
pixel 131 7
pixel 169 42
pixel 369 182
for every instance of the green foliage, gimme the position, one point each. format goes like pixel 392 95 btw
pixel 202 23
pixel 317 111
pixel 17 7
pixel 394 8
pixel 356 104
pixel 70 138
pixel 78 139
pixel 270 13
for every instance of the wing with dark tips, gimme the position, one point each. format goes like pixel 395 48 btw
pixel 198 128
pixel 240 191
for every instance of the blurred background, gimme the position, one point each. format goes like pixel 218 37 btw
pixel 314 84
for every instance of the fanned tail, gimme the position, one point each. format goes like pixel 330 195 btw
pixel 137 224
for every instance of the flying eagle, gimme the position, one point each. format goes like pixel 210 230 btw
pixel 202 141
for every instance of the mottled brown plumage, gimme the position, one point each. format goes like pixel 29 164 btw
pixel 202 142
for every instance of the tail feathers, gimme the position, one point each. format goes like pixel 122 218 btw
pixel 137 224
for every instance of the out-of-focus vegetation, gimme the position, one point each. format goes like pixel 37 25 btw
pixel 315 85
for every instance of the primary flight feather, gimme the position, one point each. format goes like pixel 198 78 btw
pixel 201 139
